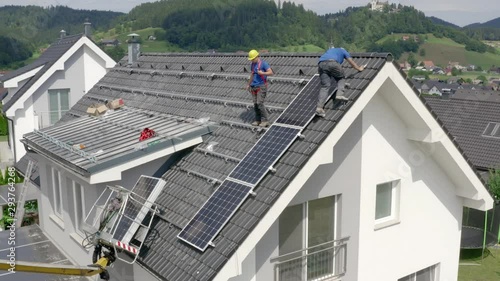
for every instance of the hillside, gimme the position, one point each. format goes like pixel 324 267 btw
pixel 443 50
pixel 443 22
pixel 494 23
pixel 38 26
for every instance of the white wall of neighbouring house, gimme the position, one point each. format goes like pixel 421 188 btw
pixel 374 150
pixel 81 72
pixel 63 229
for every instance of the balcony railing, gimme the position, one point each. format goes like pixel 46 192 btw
pixel 45 119
pixel 326 261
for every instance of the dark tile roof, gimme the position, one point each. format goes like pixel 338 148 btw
pixel 466 120
pixel 22 166
pixel 47 59
pixel 477 95
pixel 214 85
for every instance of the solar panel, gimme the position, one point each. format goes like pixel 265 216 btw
pixel 214 214
pixel 302 109
pixel 254 166
pixel 220 207
pixel 140 200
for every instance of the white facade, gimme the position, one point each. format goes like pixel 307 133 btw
pixel 383 143
pixel 387 135
pixel 75 72
pixel 63 227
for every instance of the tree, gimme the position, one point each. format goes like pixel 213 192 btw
pixel 422 52
pixel 483 79
pixel 455 71
pixel 412 60
pixel 494 183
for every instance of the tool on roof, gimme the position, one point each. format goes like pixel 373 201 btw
pixel 147 134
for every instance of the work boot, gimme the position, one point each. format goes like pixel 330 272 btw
pixel 264 124
pixel 343 98
pixel 320 112
pixel 255 123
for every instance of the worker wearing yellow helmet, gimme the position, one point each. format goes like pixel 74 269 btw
pixel 257 86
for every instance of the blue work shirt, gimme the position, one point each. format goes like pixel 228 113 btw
pixel 338 54
pixel 257 79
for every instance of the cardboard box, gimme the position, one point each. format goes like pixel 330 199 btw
pixel 97 110
pixel 115 104
pixel 101 108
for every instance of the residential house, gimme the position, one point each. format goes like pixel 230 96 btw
pixel 472 118
pixel 494 69
pixel 43 91
pixel 405 66
pixel 342 201
pixel 429 65
pixel 110 42
pixel 406 37
pixel 376 5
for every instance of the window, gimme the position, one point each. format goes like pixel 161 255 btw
pixel 427 274
pixel 309 226
pixel 79 199
pixel 492 130
pixel 387 204
pixel 57 193
pixel 58 104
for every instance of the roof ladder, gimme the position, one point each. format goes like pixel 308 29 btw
pixel 22 195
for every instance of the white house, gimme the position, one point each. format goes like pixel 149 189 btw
pixel 374 191
pixel 39 94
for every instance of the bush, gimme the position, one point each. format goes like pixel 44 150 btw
pixel 494 184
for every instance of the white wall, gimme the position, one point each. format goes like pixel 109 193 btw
pixel 63 232
pixel 374 150
pixel 81 72
pixel 430 212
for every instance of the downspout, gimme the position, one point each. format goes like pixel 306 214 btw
pixel 13 138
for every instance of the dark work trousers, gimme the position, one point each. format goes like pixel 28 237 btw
pixel 259 97
pixel 327 70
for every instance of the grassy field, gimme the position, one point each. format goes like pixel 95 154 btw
pixel 472 75
pixel 474 268
pixel 443 50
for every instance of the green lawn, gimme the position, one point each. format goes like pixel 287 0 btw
pixel 474 268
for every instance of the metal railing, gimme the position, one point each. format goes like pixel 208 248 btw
pixel 325 261
pixel 45 119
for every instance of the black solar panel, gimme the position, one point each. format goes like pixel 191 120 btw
pixel 214 214
pixel 145 191
pixel 303 107
pixel 254 166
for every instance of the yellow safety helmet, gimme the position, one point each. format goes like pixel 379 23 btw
pixel 253 54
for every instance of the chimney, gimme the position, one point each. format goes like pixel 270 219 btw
pixel 133 48
pixel 88 30
pixel 62 33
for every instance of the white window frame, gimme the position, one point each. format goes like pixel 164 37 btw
pixel 413 276
pixel 57 193
pixel 58 110
pixel 393 218
pixel 79 202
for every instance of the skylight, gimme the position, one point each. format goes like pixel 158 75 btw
pixel 492 130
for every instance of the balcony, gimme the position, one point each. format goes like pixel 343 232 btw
pixel 45 119
pixel 326 261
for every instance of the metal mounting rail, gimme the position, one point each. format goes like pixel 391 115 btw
pixel 66 146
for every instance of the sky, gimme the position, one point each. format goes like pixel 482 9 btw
pixel 459 12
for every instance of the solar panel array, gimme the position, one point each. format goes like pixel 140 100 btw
pixel 214 214
pixel 202 229
pixel 144 193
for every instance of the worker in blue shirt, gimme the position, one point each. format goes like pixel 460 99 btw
pixel 257 86
pixel 330 66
